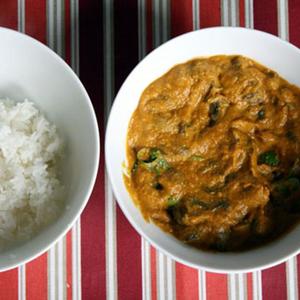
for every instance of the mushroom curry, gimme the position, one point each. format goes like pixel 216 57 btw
pixel 213 153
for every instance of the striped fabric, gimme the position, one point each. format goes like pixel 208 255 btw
pixel 103 257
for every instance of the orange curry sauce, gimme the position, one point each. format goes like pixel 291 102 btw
pixel 213 153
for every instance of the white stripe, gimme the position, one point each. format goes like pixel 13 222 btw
pixel 52 290
pixel 76 261
pixel 196 19
pixel 22 268
pixel 60 267
pixel 225 12
pixel 22 282
pixel 282 15
pixel 242 279
pixel 21 15
pixel 202 284
pixel 110 204
pixel 234 13
pixel 232 286
pixel 249 14
pixel 171 284
pixel 161 276
pixel 146 270
pixel 146 254
pixel 292 278
pixel 76 233
pixel 110 242
pixel 257 287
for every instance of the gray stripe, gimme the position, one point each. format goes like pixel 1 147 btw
pixel 234 13
pixel 225 12
pixel 249 13
pixel 74 20
pixel 76 235
pixel 283 19
pixel 156 22
pixel 22 282
pixel 196 11
pixel 21 15
pixel 142 31
pixel 202 284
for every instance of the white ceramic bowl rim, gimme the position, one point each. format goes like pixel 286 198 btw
pixel 111 136
pixel 46 244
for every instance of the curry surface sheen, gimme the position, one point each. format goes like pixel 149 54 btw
pixel 213 153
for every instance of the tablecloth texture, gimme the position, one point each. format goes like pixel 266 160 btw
pixel 103 257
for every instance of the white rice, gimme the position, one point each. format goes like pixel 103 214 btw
pixel 30 191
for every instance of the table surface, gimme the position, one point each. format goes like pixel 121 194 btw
pixel 103 257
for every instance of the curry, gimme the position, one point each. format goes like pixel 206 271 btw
pixel 213 153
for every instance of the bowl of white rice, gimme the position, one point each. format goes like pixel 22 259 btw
pixel 49 148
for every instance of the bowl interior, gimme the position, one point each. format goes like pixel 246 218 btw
pixel 262 47
pixel 31 70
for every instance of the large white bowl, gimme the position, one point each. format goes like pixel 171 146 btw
pixel 28 69
pixel 262 47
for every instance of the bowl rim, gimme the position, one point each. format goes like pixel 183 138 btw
pixel 64 229
pixel 110 170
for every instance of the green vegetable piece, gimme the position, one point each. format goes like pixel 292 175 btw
pixel 197 158
pixel 269 158
pixel 156 163
pixel 172 201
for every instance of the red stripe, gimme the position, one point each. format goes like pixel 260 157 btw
pixel 181 16
pixel 186 282
pixel 35 19
pixel 36 279
pixel 153 274
pixel 294 22
pixel 274 283
pixel 265 15
pixel 210 13
pixel 128 260
pixel 9 285
pixel 298 271
pixel 9 13
pixel 242 12
pixel 93 217
pixel 216 286
pixel 250 286
pixel 69 264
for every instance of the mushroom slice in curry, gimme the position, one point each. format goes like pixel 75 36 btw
pixel 213 153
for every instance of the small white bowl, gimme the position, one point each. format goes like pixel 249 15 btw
pixel 28 69
pixel 267 49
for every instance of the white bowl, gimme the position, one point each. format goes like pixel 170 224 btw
pixel 28 69
pixel 262 47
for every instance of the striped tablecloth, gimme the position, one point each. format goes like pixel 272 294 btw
pixel 103 257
